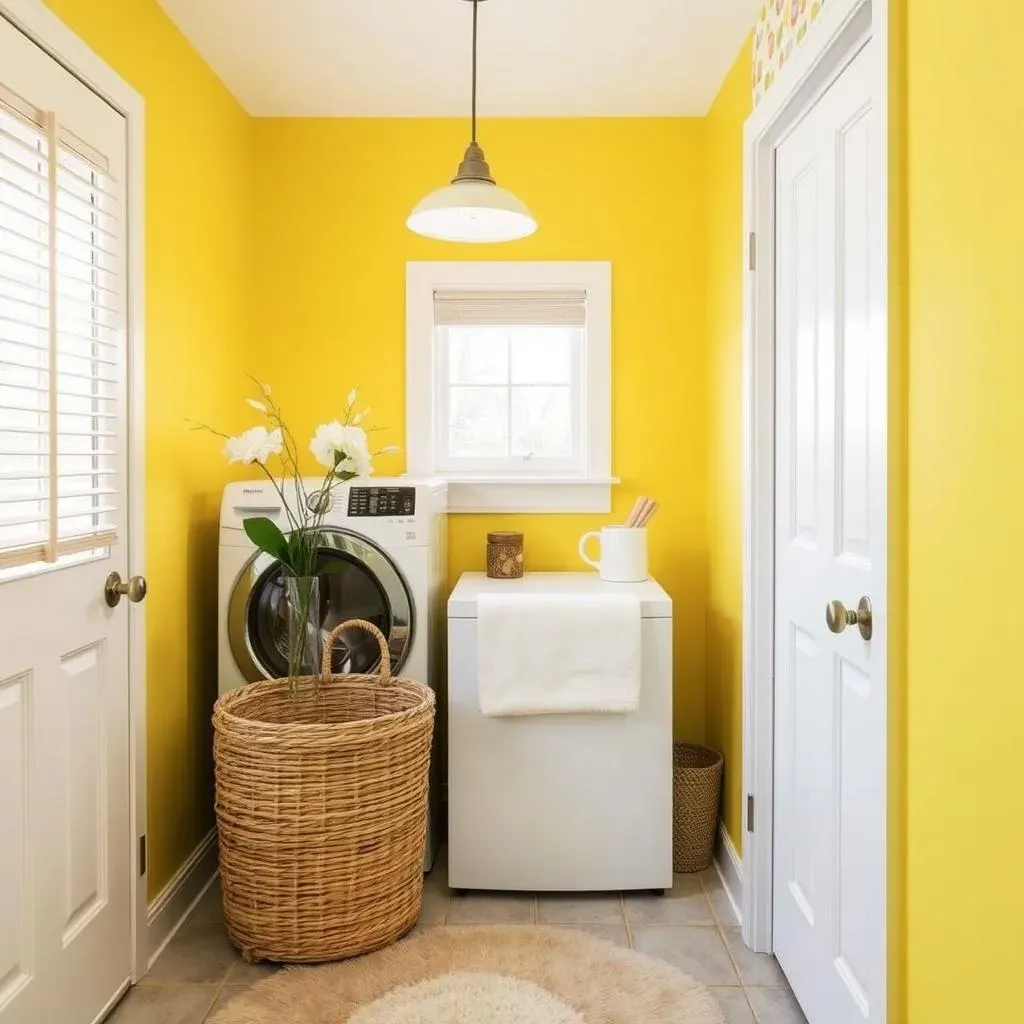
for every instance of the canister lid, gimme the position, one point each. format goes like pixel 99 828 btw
pixel 500 537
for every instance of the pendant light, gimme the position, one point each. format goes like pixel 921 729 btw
pixel 473 208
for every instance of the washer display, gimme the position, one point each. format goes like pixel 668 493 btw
pixel 357 581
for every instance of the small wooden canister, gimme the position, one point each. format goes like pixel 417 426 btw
pixel 504 556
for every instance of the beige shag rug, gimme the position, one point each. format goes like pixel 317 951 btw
pixel 480 975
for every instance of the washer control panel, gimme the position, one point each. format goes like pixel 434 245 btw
pixel 381 501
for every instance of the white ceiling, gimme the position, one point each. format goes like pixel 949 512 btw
pixel 410 58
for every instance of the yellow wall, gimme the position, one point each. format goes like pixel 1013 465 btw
pixel 724 431
pixel 331 199
pixel 198 233
pixel 896 880
pixel 965 688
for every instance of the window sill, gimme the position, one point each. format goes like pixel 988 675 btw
pixel 534 494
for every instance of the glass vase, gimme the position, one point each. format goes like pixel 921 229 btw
pixel 303 594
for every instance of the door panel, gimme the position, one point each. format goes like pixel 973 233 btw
pixel 858 808
pixel 853 340
pixel 15 850
pixel 82 676
pixel 829 906
pixel 807 697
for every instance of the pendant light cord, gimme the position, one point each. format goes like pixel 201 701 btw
pixel 476 4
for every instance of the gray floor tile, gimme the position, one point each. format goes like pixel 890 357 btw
pixel 197 954
pixel 438 874
pixel 685 904
pixel 164 1004
pixel 579 910
pixel 733 1002
pixel 435 903
pixel 492 909
pixel 754 968
pixel 227 993
pixel 209 909
pixel 699 952
pixel 775 1006
pixel 721 905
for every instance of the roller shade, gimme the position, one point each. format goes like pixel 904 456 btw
pixel 61 342
pixel 510 308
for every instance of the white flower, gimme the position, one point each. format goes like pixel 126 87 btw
pixel 365 413
pixel 357 418
pixel 389 449
pixel 342 448
pixel 265 388
pixel 258 406
pixel 352 396
pixel 255 445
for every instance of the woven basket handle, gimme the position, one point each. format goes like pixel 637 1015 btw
pixel 369 627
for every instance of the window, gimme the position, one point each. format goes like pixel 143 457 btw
pixel 508 383
pixel 61 343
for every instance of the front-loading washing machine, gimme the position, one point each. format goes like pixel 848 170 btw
pixel 389 536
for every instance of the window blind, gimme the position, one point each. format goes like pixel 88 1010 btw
pixel 61 343
pixel 510 308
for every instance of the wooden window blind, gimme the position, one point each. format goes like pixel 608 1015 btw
pixel 510 308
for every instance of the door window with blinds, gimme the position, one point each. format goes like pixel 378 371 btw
pixel 62 342
pixel 508 383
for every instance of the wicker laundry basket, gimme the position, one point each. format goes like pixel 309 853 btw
pixel 322 810
pixel 696 791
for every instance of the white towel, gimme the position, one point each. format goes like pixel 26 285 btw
pixel 540 654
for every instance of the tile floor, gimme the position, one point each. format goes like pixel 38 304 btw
pixel 692 927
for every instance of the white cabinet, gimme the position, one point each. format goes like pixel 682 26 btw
pixel 577 802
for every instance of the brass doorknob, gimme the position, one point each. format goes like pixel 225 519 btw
pixel 134 588
pixel 838 617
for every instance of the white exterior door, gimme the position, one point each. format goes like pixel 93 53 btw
pixel 65 882
pixel 830 701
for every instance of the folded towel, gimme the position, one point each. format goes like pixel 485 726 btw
pixel 540 654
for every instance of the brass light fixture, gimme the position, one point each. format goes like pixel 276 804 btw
pixel 473 208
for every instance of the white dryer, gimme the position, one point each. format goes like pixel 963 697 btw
pixel 390 536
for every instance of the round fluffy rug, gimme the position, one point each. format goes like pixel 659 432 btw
pixel 479 975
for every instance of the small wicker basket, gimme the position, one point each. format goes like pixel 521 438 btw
pixel 696 791
pixel 321 806
pixel 505 555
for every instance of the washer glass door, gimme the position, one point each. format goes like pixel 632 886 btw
pixel 363 583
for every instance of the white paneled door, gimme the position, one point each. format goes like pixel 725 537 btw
pixel 830 721
pixel 64 703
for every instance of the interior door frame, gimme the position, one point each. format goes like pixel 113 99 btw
pixel 842 30
pixel 43 27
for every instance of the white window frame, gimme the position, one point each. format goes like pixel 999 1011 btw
pixel 492 488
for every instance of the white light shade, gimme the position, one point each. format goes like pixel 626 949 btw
pixel 472 211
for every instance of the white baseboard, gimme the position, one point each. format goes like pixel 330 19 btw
pixel 176 900
pixel 729 866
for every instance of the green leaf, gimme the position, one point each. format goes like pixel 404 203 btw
pixel 300 553
pixel 266 535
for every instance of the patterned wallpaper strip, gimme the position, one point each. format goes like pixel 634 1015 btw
pixel 781 27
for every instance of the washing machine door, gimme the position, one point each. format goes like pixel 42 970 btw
pixel 365 585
